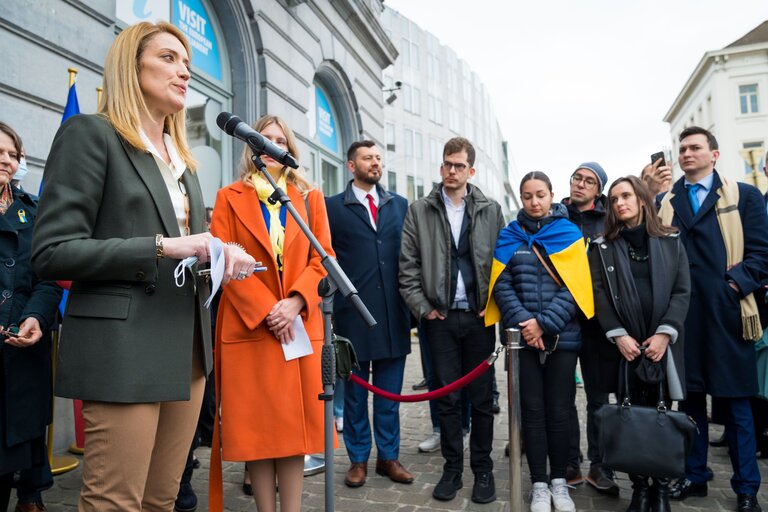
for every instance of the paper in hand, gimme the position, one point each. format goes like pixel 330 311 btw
pixel 216 250
pixel 300 346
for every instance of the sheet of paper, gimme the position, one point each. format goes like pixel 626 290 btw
pixel 216 249
pixel 300 346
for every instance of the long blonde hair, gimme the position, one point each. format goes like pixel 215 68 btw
pixel 249 172
pixel 122 101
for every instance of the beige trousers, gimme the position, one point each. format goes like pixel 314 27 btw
pixel 135 453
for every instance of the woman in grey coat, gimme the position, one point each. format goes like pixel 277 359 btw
pixel 642 289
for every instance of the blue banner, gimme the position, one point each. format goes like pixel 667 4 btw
pixel 325 124
pixel 192 18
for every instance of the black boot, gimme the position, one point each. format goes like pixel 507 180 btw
pixel 660 495
pixel 640 494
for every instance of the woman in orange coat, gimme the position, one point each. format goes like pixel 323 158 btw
pixel 271 416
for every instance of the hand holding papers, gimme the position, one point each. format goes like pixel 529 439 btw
pixel 300 346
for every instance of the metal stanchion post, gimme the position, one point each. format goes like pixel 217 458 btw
pixel 513 395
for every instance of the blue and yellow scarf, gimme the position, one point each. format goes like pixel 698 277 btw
pixel 564 244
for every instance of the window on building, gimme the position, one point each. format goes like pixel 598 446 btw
pixel 407 98
pixel 389 134
pixel 416 101
pixel 392 181
pixel 408 142
pixel 419 188
pixel 435 151
pixel 753 150
pixel 453 119
pixel 405 51
pixel 418 145
pixel 409 48
pixel 411 188
pixel 748 99
pixel 331 183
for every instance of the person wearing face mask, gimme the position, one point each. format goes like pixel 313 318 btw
pixel 135 343
pixel 540 281
pixel 642 289
pixel 270 414
pixel 27 311
pixel 21 172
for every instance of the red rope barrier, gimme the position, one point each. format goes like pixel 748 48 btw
pixel 453 386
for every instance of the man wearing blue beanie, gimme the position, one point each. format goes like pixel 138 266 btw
pixel 587 209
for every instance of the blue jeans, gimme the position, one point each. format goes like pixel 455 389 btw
pixel 739 433
pixel 338 399
pixel 387 375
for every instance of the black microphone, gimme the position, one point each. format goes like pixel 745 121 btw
pixel 236 127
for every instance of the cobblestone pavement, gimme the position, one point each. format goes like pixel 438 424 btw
pixel 380 494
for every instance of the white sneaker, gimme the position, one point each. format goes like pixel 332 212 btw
pixel 340 424
pixel 541 498
pixel 430 444
pixel 560 497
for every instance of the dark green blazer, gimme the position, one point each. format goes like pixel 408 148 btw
pixel 128 330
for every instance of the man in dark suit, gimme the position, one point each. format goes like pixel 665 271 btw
pixel 366 226
pixel 720 329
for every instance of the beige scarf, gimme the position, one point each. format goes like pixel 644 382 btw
pixel 727 211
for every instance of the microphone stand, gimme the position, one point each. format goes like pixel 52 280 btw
pixel 336 280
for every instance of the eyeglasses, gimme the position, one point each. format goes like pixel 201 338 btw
pixel 447 166
pixel 588 182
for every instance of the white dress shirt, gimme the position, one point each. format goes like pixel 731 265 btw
pixel 360 195
pixel 171 176
pixel 455 219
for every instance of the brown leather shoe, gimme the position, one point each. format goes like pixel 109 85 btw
pixel 30 507
pixel 356 474
pixel 394 470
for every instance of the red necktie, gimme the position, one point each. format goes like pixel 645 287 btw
pixel 372 206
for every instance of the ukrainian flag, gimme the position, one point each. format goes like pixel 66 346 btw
pixel 564 244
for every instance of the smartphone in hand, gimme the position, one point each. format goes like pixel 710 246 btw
pixel 656 156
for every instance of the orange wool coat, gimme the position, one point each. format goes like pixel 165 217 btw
pixel 269 406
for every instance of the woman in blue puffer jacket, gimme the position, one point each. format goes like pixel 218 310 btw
pixel 534 294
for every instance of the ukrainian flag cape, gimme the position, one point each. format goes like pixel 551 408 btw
pixel 564 244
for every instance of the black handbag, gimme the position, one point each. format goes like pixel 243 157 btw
pixel 346 357
pixel 648 441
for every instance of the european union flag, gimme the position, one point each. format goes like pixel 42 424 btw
pixel 72 108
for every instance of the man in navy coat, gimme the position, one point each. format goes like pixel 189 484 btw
pixel 366 227
pixel 718 360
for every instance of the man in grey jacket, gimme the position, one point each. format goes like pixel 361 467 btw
pixel 445 267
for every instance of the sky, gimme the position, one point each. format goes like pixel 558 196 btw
pixel 587 80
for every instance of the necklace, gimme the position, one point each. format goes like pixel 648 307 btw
pixel 635 256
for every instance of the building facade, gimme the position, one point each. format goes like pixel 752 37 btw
pixel 728 94
pixel 316 63
pixel 432 95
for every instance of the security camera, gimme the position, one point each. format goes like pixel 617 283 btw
pixel 398 83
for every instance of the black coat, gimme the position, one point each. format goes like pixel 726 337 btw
pixel 25 383
pixel 525 290
pixel 591 222
pixel 671 288
pixel 370 259
pixel 718 360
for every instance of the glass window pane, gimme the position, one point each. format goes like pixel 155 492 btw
pixel 392 181
pixel 330 179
